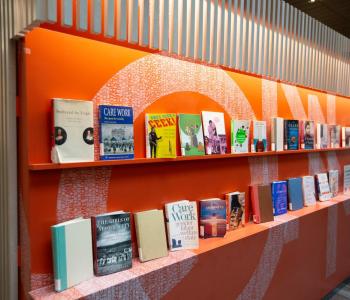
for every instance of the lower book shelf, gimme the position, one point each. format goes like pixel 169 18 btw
pixel 154 279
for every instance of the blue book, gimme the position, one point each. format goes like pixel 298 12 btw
pixel 212 218
pixel 116 132
pixel 291 134
pixel 279 197
pixel 295 193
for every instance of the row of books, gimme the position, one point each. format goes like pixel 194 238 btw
pixel 102 244
pixel 73 133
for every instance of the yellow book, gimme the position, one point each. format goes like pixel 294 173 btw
pixel 161 135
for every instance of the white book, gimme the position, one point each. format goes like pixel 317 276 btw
pixel 72 253
pixel 259 141
pixel 347 179
pixel 324 192
pixel 333 177
pixel 182 225
pixel 277 134
pixel 240 136
pixel 73 136
pixel 322 141
pixel 309 190
pixel 345 136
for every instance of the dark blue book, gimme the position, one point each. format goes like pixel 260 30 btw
pixel 279 197
pixel 116 132
pixel 291 134
pixel 295 193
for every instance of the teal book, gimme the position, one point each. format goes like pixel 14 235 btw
pixel 295 193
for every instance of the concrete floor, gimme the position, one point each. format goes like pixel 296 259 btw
pixel 341 292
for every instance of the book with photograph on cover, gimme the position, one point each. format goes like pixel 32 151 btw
pixel 334 136
pixel 291 134
pixel 214 132
pixel 235 205
pixel 307 135
pixel 212 218
pixel 259 136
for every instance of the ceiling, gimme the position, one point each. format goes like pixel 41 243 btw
pixel 333 13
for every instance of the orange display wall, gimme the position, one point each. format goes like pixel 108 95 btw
pixel 301 255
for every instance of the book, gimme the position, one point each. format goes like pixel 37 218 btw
pixel 291 134
pixel 150 233
pixel 345 133
pixel 73 131
pixel 322 136
pixel 307 135
pixel 309 194
pixel 334 136
pixel 161 135
pixel 214 132
pixel 279 197
pixel 235 205
pixel 261 200
pixel 182 224
pixel 347 179
pixel 277 134
pixel 72 253
pixel 111 237
pixel 259 136
pixel 322 185
pixel 212 218
pixel 333 177
pixel 295 193
pixel 240 136
pixel 191 135
pixel 116 132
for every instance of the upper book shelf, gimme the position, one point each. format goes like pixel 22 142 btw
pixel 136 161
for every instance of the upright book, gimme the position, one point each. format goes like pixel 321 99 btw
pixel 291 134
pixel 212 218
pixel 116 132
pixel 309 194
pixel 150 233
pixel 345 135
pixel 214 132
pixel 322 185
pixel 73 132
pixel 277 134
pixel 322 136
pixel 235 206
pixel 261 203
pixel 334 136
pixel 333 177
pixel 240 136
pixel 259 136
pixel 347 179
pixel 191 135
pixel 161 135
pixel 295 193
pixel 111 239
pixel 279 197
pixel 182 225
pixel 307 135
pixel 72 253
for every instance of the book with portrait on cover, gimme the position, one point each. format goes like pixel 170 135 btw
pixel 214 132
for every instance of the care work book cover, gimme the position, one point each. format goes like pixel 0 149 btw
pixel 161 135
pixel 72 253
pixel 182 224
pixel 73 132
pixel 116 132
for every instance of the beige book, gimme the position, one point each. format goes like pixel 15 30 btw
pixel 150 232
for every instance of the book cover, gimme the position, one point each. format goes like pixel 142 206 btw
pixel 322 136
pixel 277 134
pixel 307 135
pixel 309 194
pixel 259 136
pixel 322 185
pixel 235 205
pixel 111 238
pixel 334 136
pixel 333 177
pixel 72 253
pixel 261 200
pixel 150 233
pixel 291 134
pixel 347 179
pixel 191 135
pixel 345 133
pixel 212 218
pixel 73 132
pixel 182 224
pixel 295 193
pixel 214 132
pixel 161 135
pixel 279 197
pixel 240 136
pixel 116 132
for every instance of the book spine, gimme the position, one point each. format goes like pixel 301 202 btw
pixel 255 204
pixel 138 238
pixel 167 221
pixel 232 137
pixel 148 152
pixel 273 134
pixel 285 135
pixel 343 137
pixel 59 258
pixel 94 244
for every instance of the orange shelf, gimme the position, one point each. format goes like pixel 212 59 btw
pixel 136 161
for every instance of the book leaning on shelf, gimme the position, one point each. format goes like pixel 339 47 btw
pixel 295 193
pixel 309 193
pixel 235 206
pixel 334 136
pixel 307 135
pixel 279 197
pixel 259 140
pixel 240 136
pixel 345 135
pixel 322 141
pixel 212 218
pixel 347 179
pixel 322 186
pixel 333 177
pixel 73 132
pixel 261 200
pixel 277 134
pixel 291 134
